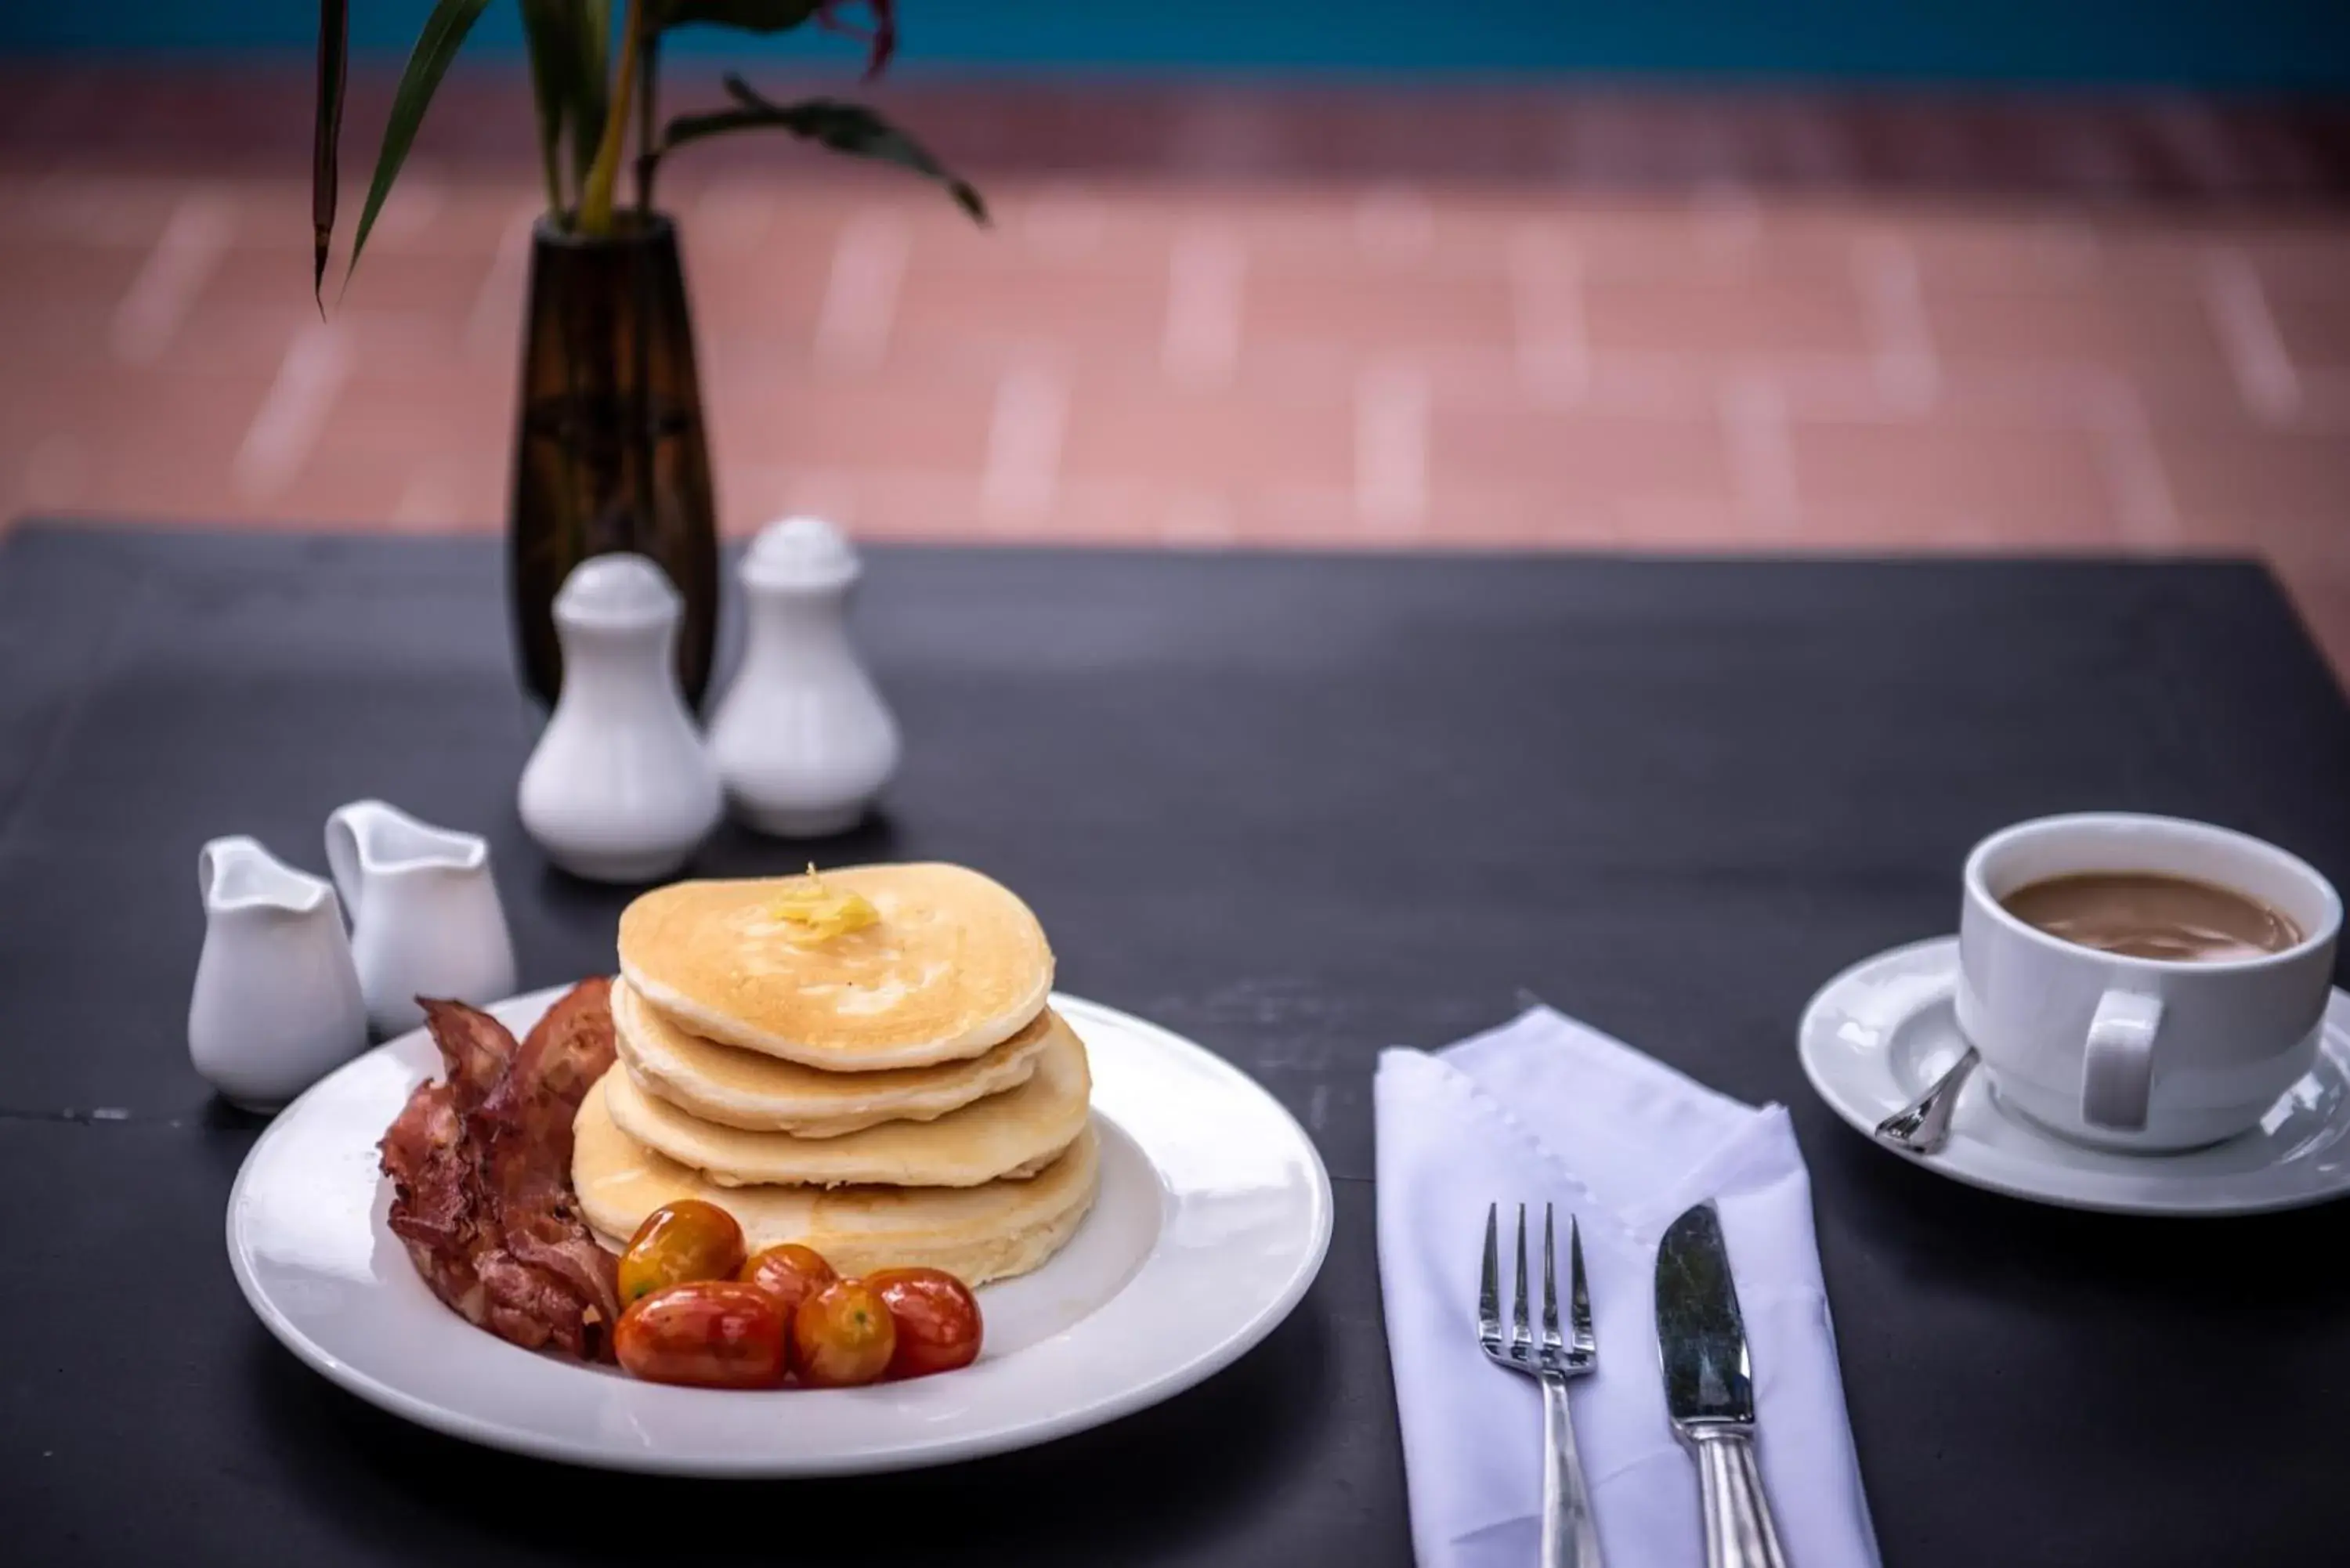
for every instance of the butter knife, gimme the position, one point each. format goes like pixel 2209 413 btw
pixel 1709 1390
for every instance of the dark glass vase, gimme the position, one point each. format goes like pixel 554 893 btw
pixel 609 447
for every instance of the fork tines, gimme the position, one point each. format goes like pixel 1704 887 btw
pixel 1550 1352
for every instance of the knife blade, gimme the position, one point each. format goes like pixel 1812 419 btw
pixel 1699 1331
pixel 1709 1388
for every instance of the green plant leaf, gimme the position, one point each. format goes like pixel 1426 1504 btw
pixel 749 15
pixel 547 25
pixel 849 128
pixel 593 76
pixel 327 135
pixel 444 34
pixel 567 71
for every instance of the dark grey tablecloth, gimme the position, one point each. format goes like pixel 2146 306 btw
pixel 1298 808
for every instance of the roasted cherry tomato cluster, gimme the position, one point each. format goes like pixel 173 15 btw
pixel 701 1312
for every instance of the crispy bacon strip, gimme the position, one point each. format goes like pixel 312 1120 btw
pixel 481 1172
pixel 475 1049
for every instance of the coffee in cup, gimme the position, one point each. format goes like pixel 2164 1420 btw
pixel 2147 915
pixel 2143 983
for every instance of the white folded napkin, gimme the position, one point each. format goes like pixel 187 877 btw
pixel 1549 1110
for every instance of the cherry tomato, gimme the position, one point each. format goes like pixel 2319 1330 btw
pixel 936 1316
pixel 791 1274
pixel 680 1241
pixel 706 1333
pixel 842 1335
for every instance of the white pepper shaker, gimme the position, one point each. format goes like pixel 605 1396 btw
pixel 802 739
pixel 620 788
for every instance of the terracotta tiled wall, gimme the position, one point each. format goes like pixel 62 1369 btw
pixel 1212 317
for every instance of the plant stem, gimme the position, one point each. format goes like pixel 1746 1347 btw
pixel 603 175
pixel 546 101
pixel 548 155
pixel 648 155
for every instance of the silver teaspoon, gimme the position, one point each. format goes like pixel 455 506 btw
pixel 1924 1125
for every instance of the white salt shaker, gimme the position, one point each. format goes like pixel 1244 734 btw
pixel 425 916
pixel 276 1004
pixel 619 789
pixel 802 739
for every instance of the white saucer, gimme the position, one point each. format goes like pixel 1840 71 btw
pixel 1878 1035
pixel 1213 1218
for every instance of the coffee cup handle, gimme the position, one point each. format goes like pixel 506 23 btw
pixel 2118 1069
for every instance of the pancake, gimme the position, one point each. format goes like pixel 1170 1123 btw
pixel 766 1094
pixel 977 1234
pixel 1015 1133
pixel 955 965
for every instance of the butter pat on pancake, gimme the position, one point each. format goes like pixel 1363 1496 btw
pixel 977 1234
pixel 1012 1134
pixel 954 965
pixel 746 1089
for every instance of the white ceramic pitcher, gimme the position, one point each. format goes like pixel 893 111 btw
pixel 802 739
pixel 277 1002
pixel 425 916
pixel 619 788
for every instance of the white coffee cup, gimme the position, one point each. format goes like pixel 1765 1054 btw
pixel 2134 1052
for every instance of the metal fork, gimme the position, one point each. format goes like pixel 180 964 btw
pixel 1568 1537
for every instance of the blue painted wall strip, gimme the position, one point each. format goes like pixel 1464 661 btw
pixel 2288 44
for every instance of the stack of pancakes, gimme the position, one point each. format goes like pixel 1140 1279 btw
pixel 888 1087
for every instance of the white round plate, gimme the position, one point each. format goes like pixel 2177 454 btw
pixel 1214 1217
pixel 1878 1035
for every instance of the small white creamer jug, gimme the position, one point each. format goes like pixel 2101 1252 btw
pixel 619 789
pixel 802 739
pixel 425 916
pixel 276 1004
